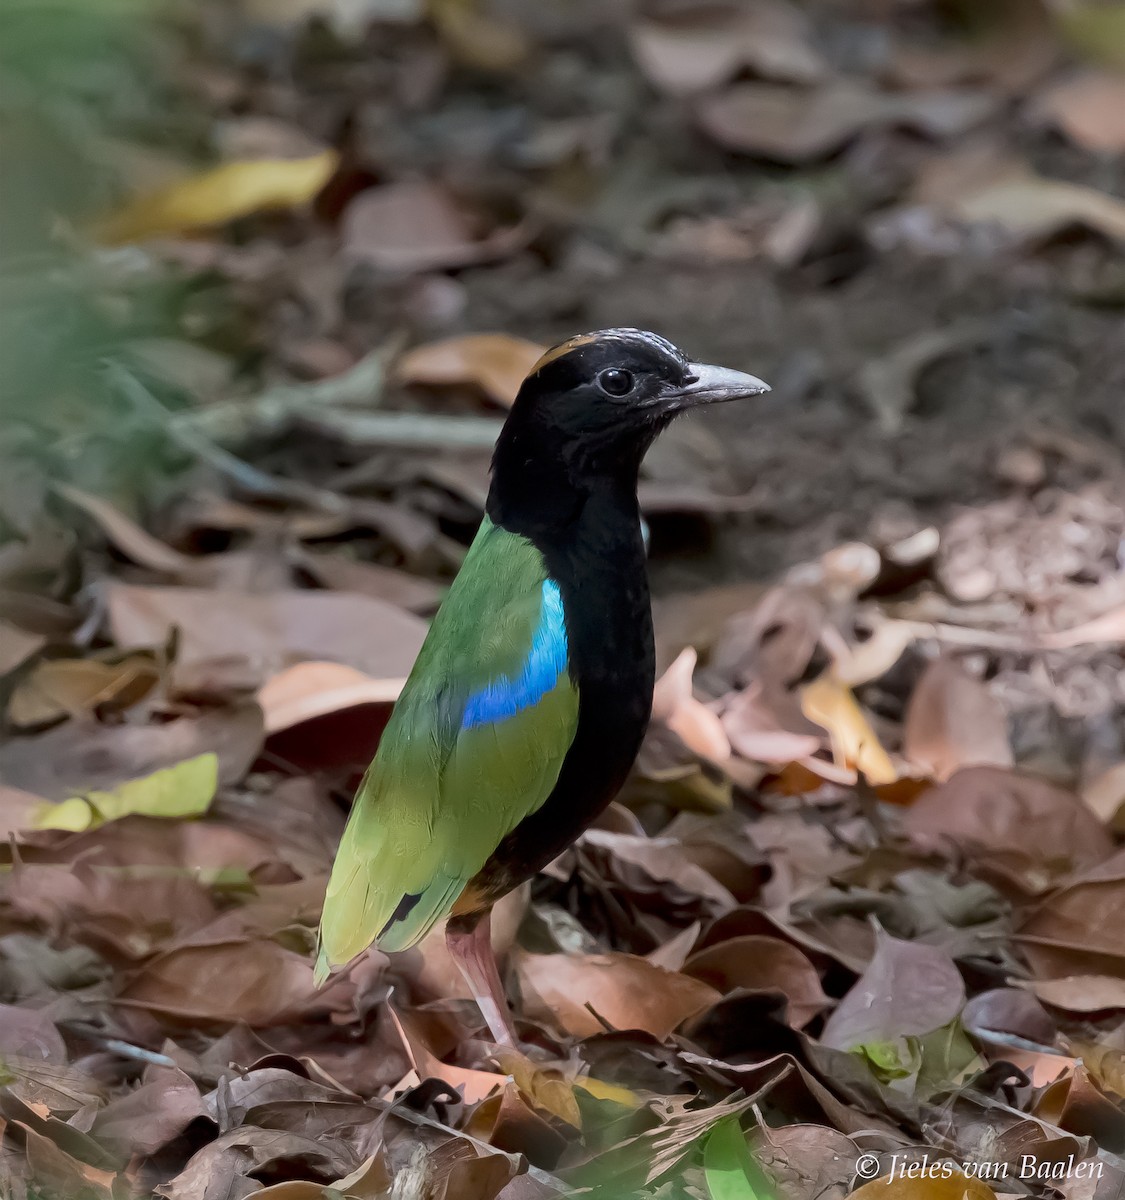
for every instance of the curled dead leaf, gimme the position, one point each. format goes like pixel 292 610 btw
pixel 625 991
pixel 794 125
pixel 1081 993
pixel 309 690
pixel 1041 831
pixel 757 963
pixel 698 49
pixel 74 687
pixel 855 744
pixel 127 536
pixel 674 704
pixel 497 363
pixel 416 226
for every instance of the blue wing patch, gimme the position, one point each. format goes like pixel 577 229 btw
pixel 546 661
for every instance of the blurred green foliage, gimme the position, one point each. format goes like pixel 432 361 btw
pixel 78 80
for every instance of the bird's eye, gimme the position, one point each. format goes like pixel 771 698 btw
pixel 615 382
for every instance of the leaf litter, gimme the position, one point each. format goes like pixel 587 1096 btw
pixel 863 893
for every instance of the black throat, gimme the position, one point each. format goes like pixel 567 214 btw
pixel 589 532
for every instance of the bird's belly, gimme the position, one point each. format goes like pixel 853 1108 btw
pixel 609 735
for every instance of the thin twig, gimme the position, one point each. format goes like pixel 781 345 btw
pixel 272 409
pixel 406 430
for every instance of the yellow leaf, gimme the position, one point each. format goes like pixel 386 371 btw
pixel 73 814
pixel 831 704
pixel 185 790
pixel 546 1089
pixel 1096 32
pixel 935 1186
pixel 612 1092
pixel 222 194
pixel 476 38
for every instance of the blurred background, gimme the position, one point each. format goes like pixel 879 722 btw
pixel 270 274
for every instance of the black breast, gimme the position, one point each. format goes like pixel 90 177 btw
pixel 600 569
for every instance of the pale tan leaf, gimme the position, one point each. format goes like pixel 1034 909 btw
pixel 133 541
pixel 695 50
pixel 1089 109
pixel 494 362
pixel 314 689
pixel 674 704
pixel 953 721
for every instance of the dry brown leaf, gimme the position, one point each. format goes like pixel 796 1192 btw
pixel 756 733
pixel 78 757
pixel 128 537
pixel 497 363
pixel 1010 1010
pixel 17 646
pixel 474 1085
pixel 255 981
pixel 75 687
pixel 1089 109
pixel 142 1121
pixel 342 574
pixel 627 991
pixel 805 1160
pixel 1081 993
pixel 793 125
pixel 854 743
pixel 982 185
pixel 1076 930
pixel 953 721
pixel 315 689
pixel 222 194
pixel 663 859
pixel 1036 828
pixel 268 632
pixel 61 1174
pixel 409 227
pixel 674 704
pixel 908 989
pixel 762 964
pixel 1104 796
pixel 699 49
pixel 1077 1104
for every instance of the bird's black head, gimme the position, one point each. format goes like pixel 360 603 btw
pixel 592 406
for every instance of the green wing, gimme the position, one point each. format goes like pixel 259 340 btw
pixel 474 745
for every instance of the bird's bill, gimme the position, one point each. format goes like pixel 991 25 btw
pixel 715 384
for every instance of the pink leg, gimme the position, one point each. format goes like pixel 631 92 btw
pixel 470 945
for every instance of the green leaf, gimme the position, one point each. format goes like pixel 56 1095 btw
pixel 896 1059
pixel 948 1058
pixel 185 790
pixel 729 1167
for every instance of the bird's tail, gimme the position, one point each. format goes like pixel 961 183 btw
pixel 383 890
